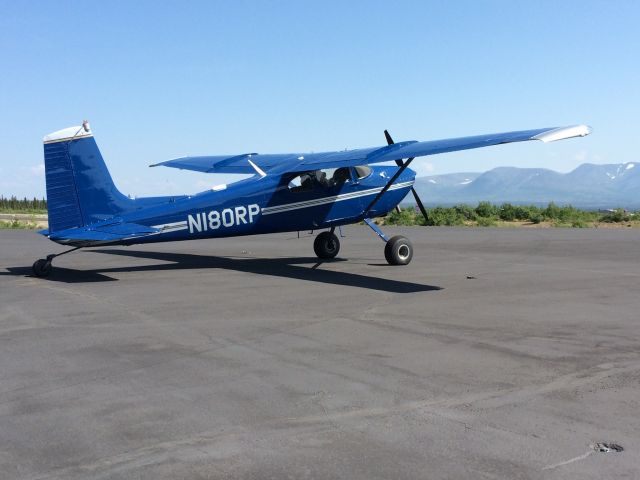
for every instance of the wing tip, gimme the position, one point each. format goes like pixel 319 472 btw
pixel 166 162
pixel 563 132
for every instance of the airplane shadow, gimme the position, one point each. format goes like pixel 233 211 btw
pixel 299 268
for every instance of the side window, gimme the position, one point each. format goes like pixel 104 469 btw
pixel 328 178
pixel 341 175
pixel 301 183
pixel 363 171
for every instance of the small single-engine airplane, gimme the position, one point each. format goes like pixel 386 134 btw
pixel 287 192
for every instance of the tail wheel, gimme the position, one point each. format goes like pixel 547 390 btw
pixel 398 250
pixel 42 268
pixel 326 245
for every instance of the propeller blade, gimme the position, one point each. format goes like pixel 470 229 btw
pixel 420 204
pixel 399 162
pixel 391 142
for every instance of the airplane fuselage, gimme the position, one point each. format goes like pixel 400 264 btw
pixel 260 205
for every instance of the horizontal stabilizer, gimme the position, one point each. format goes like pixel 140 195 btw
pixel 212 164
pixel 126 229
pixel 100 234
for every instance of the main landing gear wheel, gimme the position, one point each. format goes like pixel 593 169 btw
pixel 398 250
pixel 42 268
pixel 326 245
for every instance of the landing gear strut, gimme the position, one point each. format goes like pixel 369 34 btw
pixel 43 268
pixel 326 245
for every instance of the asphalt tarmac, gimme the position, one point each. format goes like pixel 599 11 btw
pixel 497 353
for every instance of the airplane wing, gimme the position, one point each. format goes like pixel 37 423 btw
pixel 294 162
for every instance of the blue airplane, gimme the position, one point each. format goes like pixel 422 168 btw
pixel 287 192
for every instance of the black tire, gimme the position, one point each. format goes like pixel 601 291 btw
pixel 398 250
pixel 326 245
pixel 42 268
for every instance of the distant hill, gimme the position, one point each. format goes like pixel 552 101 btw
pixel 588 186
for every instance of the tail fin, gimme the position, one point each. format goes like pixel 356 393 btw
pixel 80 190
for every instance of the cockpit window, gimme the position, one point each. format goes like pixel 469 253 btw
pixel 328 178
pixel 301 183
pixel 363 171
pixel 341 175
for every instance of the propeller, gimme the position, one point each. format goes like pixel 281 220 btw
pixel 399 162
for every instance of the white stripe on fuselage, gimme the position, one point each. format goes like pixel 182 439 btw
pixel 333 199
pixel 171 227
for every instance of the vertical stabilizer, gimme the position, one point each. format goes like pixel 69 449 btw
pixel 80 190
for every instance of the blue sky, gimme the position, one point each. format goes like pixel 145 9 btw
pixel 158 80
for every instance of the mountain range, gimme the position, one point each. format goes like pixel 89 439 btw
pixel 588 186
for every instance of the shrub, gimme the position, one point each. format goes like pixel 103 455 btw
pixel 507 212
pixel 486 214
pixel 486 209
pixel 617 216
pixel 466 211
pixel 537 218
pixel 406 216
pixel 527 212
pixel 444 216
pixel 486 221
pixel 552 212
pixel 567 214
pixel 17 224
